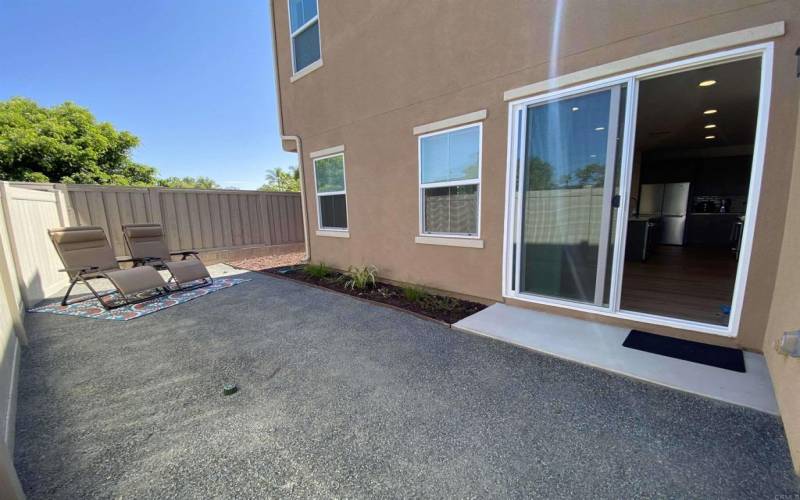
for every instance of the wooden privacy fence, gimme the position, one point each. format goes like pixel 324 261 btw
pixel 192 218
pixel 213 222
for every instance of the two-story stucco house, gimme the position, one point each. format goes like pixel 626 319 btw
pixel 630 162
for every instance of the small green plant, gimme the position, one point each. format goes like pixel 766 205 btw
pixel 440 303
pixel 414 293
pixel 318 271
pixel 359 278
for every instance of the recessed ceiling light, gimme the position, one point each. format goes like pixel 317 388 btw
pixel 600 129
pixel 709 111
pixel 575 108
pixel 710 125
pixel 707 83
pixel 711 137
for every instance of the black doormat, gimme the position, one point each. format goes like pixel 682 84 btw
pixel 721 357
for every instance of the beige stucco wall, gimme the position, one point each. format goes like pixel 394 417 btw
pixel 389 66
pixel 785 316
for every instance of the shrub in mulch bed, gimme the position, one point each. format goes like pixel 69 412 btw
pixel 439 307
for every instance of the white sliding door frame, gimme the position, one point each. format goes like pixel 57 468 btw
pixel 517 112
pixel 608 195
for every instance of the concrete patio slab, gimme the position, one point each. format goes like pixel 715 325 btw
pixel 600 346
pixel 341 398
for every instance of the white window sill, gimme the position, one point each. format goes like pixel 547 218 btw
pixel 449 242
pixel 308 69
pixel 333 233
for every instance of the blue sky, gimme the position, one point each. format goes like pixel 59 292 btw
pixel 191 78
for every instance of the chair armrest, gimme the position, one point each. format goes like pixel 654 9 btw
pixel 79 270
pixel 186 253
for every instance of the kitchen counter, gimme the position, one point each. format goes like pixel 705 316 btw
pixel 716 213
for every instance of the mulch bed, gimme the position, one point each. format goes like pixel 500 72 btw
pixel 269 261
pixel 439 307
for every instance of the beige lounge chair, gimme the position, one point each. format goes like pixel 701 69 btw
pixel 146 244
pixel 87 255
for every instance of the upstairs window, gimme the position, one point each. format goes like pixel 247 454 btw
pixel 304 28
pixel 331 194
pixel 450 164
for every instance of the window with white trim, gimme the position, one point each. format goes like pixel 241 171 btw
pixel 304 29
pixel 449 188
pixel 331 193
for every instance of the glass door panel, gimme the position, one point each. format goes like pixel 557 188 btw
pixel 569 193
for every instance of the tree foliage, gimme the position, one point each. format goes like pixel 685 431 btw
pixel 188 183
pixel 65 143
pixel 279 179
pixel 541 176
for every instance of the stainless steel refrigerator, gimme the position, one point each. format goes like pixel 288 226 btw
pixel 668 202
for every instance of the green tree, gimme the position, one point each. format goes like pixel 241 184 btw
pixel 540 175
pixel 591 175
pixel 188 183
pixel 279 179
pixel 65 143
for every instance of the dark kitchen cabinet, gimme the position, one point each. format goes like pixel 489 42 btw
pixel 710 230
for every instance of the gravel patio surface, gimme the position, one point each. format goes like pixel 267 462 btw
pixel 341 398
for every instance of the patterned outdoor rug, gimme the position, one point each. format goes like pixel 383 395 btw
pixel 93 309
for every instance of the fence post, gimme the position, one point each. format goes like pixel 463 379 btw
pixel 64 208
pixel 154 201
pixel 263 214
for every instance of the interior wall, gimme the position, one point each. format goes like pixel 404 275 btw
pixel 785 316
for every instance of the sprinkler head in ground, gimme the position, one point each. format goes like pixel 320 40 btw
pixel 229 389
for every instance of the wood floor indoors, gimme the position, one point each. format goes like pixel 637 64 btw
pixel 681 282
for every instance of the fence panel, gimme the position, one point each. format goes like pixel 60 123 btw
pixel 29 214
pixel 192 218
pixel 12 333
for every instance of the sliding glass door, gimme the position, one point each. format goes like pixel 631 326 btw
pixel 580 231
pixel 567 195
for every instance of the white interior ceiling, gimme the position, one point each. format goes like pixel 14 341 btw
pixel 670 111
